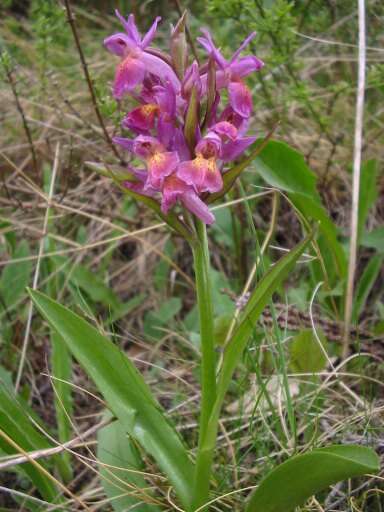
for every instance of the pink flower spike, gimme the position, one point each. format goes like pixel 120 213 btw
pixel 240 99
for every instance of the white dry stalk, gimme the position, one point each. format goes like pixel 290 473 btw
pixel 356 177
pixel 37 269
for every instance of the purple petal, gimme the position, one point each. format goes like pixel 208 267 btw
pixel 232 117
pixel 209 45
pixel 173 188
pixel 124 143
pixel 165 97
pixel 119 44
pixel 213 181
pixel 245 43
pixel 160 68
pixel 130 27
pixel 209 146
pixel 195 205
pixel 226 129
pixel 180 145
pixel 150 34
pixel 129 73
pixel 245 66
pixel 165 129
pixel 193 172
pixel 232 150
pixel 161 165
pixel 240 99
pixel 145 146
pixel 141 118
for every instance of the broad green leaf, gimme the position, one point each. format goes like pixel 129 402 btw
pixel 368 192
pixel 15 276
pixel 374 239
pixel 259 298
pixel 306 354
pixel 293 482
pixel 120 465
pixel 125 392
pixel 15 421
pixel 365 284
pixel 284 168
pixel 314 211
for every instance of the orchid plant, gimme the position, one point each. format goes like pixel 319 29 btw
pixel 186 138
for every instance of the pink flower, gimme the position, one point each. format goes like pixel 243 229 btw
pixel 160 163
pixel 175 189
pixel 202 172
pixel 136 61
pixel 231 72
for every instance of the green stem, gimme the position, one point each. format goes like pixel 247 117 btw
pixel 208 360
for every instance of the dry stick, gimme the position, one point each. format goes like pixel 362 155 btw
pixel 48 452
pixel 356 179
pixel 37 270
pixel 19 107
pixel 88 79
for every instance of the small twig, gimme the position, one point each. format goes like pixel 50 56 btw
pixel 356 179
pixel 37 270
pixel 19 107
pixel 88 79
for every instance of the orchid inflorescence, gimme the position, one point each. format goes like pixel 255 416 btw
pixel 183 134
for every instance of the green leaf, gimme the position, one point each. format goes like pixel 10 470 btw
pixel 368 192
pixel 374 239
pixel 119 466
pixel 125 392
pixel 365 284
pixel 306 354
pixel 16 423
pixel 15 276
pixel 293 482
pixel 283 167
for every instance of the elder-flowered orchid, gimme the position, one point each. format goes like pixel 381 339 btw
pixel 181 130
